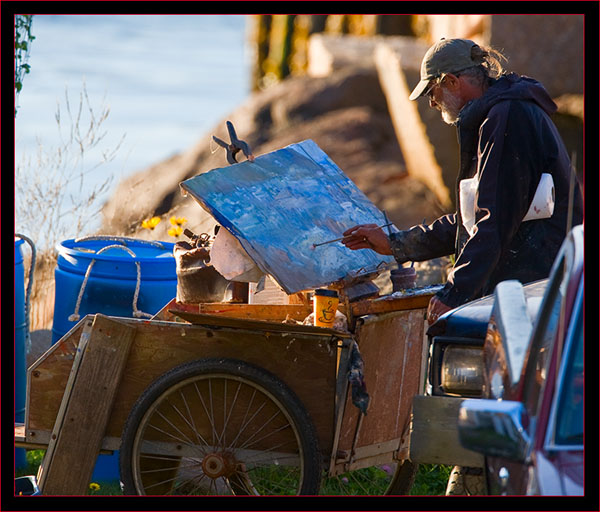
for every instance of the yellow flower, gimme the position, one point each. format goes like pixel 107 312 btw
pixel 151 223
pixel 94 486
pixel 176 231
pixel 177 221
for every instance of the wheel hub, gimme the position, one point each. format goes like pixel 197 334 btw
pixel 215 465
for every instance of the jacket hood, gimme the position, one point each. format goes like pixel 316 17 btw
pixel 508 87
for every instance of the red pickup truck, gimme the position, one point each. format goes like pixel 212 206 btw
pixel 529 425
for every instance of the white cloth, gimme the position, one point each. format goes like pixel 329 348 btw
pixel 542 205
pixel 231 261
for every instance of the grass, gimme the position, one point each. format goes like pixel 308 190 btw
pixel 431 480
pixel 34 459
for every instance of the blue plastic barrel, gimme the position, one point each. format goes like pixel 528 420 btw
pixel 110 290
pixel 112 280
pixel 20 337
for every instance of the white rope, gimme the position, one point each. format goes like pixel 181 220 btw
pixel 136 312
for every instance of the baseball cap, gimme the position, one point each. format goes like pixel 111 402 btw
pixel 445 56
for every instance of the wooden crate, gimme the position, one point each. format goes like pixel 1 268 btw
pixel 392 350
pixel 303 357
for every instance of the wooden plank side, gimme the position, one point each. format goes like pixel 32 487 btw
pixel 390 345
pixel 434 435
pixel 269 312
pixel 390 303
pixel 259 325
pixel 86 408
pixel 46 382
pixel 307 364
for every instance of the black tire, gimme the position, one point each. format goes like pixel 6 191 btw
pixel 219 426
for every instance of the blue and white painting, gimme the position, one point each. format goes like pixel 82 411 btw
pixel 282 204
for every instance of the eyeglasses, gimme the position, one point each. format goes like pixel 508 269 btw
pixel 434 82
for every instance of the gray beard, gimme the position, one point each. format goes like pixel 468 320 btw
pixel 450 108
pixel 449 118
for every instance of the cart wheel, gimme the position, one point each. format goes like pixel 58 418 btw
pixel 391 478
pixel 219 426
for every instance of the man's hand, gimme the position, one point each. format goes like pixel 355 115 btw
pixel 436 309
pixel 367 236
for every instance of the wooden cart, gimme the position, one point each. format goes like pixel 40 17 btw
pixel 228 399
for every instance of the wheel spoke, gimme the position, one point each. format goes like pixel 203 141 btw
pixel 208 415
pixel 261 438
pixel 279 484
pixel 232 407
pixel 247 423
pixel 165 468
pixel 248 444
pixel 197 486
pixel 199 437
pixel 354 476
pixel 179 440
pixel 224 412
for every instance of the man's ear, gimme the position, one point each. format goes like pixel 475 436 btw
pixel 452 82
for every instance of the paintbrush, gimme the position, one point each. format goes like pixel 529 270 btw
pixel 342 238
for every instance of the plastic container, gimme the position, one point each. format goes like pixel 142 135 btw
pixel 325 303
pixel 113 278
pixel 111 265
pixel 20 338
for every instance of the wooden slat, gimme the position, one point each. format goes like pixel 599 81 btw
pixel 47 379
pixel 390 346
pixel 434 435
pixel 390 303
pixel 86 407
pixel 268 312
pixel 258 325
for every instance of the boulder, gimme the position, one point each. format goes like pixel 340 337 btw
pixel 330 53
pixel 429 145
pixel 345 114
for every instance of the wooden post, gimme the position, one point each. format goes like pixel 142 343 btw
pixel 86 407
pixel 429 146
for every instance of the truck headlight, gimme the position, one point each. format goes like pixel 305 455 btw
pixel 462 370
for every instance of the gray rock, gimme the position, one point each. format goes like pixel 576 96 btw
pixel 345 114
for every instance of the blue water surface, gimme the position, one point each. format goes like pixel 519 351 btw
pixel 167 79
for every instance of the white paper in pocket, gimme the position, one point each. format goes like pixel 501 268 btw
pixel 542 206
pixel 468 189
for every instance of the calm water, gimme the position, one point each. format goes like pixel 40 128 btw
pixel 167 79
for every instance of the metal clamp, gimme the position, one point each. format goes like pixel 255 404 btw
pixel 235 146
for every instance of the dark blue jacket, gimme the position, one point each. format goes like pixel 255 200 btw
pixel 508 140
